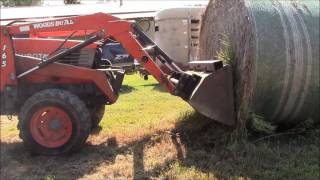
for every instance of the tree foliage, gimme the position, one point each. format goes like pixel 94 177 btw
pixel 19 2
pixel 11 3
pixel 71 1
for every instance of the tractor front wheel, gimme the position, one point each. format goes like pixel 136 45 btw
pixel 54 122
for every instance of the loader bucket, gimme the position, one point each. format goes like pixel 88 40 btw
pixel 213 95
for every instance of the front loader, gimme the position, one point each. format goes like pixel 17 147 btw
pixel 54 79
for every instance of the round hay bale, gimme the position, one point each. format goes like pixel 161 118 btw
pixel 273 47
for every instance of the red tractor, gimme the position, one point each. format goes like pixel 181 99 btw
pixel 54 79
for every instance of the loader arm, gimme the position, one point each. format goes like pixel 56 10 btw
pixel 111 27
pixel 198 89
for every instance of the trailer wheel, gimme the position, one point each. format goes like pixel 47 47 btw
pixel 97 115
pixel 54 122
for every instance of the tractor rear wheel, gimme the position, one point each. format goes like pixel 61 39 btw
pixel 96 115
pixel 54 122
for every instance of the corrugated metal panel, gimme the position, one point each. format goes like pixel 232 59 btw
pixel 273 46
pixel 286 84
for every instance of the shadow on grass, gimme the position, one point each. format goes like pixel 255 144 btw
pixel 17 163
pixel 201 144
pixel 213 148
pixel 125 89
pixel 96 130
pixel 156 87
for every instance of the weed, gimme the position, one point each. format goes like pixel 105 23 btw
pixel 226 54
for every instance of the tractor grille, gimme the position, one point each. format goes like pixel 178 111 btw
pixel 82 58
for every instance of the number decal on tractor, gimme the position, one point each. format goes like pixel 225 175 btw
pixel 4 56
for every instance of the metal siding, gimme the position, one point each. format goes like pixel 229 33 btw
pixel 286 85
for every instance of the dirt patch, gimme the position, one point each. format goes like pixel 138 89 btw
pixel 194 148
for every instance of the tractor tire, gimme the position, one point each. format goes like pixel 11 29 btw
pixel 96 115
pixel 54 122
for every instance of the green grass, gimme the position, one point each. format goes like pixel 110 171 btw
pixel 142 106
pixel 150 134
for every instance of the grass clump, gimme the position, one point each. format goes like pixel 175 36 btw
pixel 225 53
pixel 259 125
pixel 176 171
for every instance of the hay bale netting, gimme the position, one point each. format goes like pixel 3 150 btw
pixel 274 50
